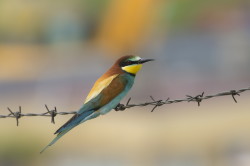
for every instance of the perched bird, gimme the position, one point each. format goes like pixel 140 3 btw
pixel 106 93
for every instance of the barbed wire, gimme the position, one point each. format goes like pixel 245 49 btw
pixel 121 107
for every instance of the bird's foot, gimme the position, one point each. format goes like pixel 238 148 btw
pixel 120 107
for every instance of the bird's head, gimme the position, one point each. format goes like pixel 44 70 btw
pixel 132 64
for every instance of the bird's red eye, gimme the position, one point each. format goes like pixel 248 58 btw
pixel 129 62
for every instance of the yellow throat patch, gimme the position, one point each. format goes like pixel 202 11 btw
pixel 133 69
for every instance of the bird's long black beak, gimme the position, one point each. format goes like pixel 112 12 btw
pixel 145 60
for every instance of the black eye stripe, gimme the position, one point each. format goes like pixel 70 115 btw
pixel 128 62
pixel 134 62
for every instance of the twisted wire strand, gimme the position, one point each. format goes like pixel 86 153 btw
pixel 121 107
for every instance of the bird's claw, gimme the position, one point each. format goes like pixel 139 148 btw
pixel 120 107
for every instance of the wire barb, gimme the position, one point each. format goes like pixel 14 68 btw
pixel 52 113
pixel 197 98
pixel 121 107
pixel 158 103
pixel 234 93
pixel 17 115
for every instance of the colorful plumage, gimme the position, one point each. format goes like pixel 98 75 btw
pixel 106 93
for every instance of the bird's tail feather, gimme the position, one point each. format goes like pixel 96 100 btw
pixel 59 135
pixel 74 121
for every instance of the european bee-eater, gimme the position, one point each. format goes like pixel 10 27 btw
pixel 106 93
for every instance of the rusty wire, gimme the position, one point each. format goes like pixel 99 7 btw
pixel 121 107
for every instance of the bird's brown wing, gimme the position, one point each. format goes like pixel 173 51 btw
pixel 116 86
pixel 99 85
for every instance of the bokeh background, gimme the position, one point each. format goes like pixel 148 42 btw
pixel 51 52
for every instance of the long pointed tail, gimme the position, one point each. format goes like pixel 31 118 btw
pixel 56 138
pixel 73 122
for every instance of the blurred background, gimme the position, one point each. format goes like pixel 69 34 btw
pixel 51 52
